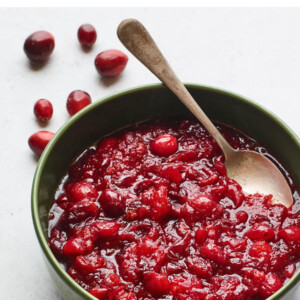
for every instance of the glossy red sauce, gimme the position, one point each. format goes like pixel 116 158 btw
pixel 149 213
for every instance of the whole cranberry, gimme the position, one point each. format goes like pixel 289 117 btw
pixel 242 216
pixel 271 285
pixel 260 231
pixel 111 63
pixel 43 110
pixel 77 100
pixel 156 284
pixel 83 190
pixel 164 145
pixel 39 46
pixel 290 234
pixel 87 35
pixel 112 203
pixel 39 140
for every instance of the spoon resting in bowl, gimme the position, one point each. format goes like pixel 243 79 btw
pixel 254 172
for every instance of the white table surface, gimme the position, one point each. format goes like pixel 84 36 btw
pixel 253 52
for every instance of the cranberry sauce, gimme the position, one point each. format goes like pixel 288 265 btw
pixel 149 213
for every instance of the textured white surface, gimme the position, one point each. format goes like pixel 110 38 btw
pixel 254 52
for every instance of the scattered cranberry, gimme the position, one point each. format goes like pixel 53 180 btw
pixel 164 145
pixel 43 110
pixel 77 100
pixel 87 35
pixel 39 140
pixel 39 46
pixel 111 63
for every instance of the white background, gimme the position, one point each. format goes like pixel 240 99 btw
pixel 253 52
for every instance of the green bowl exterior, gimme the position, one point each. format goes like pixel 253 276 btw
pixel 122 109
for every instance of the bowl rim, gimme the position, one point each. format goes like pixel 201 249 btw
pixel 39 169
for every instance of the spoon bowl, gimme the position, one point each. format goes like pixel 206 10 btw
pixel 254 172
pixel 257 174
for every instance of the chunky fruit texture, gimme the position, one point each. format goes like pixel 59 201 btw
pixel 136 219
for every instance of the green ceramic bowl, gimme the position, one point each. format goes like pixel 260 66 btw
pixel 117 111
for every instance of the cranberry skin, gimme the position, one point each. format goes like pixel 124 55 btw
pixel 271 285
pixel 111 63
pixel 39 140
pixel 43 110
pixel 260 248
pixel 261 232
pixel 242 216
pixel 77 100
pixel 156 284
pixel 113 203
pixel 39 46
pixel 201 235
pixel 83 190
pixel 290 234
pixel 164 145
pixel 87 35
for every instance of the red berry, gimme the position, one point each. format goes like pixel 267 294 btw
pixel 39 46
pixel 271 285
pixel 89 263
pixel 43 110
pixel 105 229
pixel 290 234
pixel 290 270
pixel 99 292
pixel 113 203
pixel 236 244
pixel 39 140
pixel 201 235
pixel 77 100
pixel 111 63
pixel 82 210
pixel 201 267
pixel 260 231
pixel 260 248
pixel 242 216
pixel 77 246
pixel 156 284
pixel 83 190
pixel 87 35
pixel 164 145
pixel 203 205
pixel 214 253
pixel 173 174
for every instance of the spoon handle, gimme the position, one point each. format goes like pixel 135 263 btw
pixel 138 41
